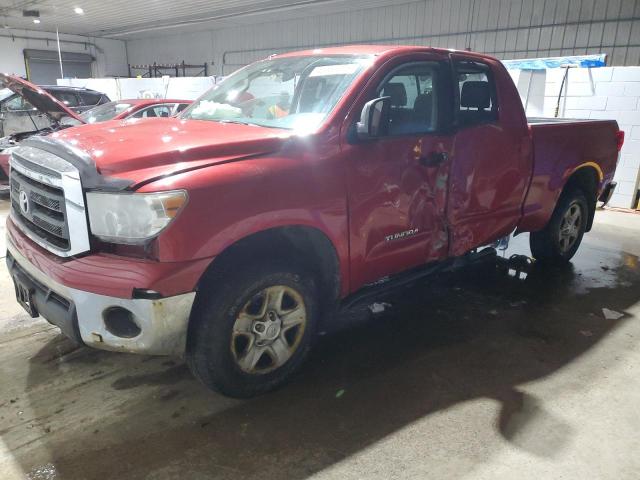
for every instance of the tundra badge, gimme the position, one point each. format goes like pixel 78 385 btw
pixel 399 235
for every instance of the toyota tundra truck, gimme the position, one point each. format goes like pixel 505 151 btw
pixel 232 234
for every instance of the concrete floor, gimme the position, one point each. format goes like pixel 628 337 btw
pixel 474 375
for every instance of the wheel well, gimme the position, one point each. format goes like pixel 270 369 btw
pixel 305 246
pixel 586 180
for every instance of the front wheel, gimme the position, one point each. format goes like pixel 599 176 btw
pixel 252 330
pixel 558 242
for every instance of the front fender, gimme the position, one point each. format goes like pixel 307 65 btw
pixel 229 202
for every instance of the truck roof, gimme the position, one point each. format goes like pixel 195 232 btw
pixel 374 50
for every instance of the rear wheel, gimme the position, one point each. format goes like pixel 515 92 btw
pixel 558 242
pixel 251 331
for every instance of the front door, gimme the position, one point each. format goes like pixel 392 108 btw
pixel 397 183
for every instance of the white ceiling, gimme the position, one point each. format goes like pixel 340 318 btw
pixel 128 19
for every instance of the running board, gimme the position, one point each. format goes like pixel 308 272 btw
pixel 389 284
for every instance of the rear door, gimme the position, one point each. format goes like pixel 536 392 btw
pixel 397 202
pixel 491 161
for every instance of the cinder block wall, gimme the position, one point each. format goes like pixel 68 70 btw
pixel 607 93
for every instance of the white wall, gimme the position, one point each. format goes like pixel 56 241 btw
pixel 505 28
pixel 110 55
pixel 182 88
pixel 598 93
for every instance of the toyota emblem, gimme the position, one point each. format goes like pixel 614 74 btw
pixel 24 202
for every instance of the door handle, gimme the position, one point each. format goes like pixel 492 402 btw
pixel 433 159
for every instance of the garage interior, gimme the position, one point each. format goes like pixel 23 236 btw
pixel 482 372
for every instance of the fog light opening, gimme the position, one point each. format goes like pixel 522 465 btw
pixel 119 321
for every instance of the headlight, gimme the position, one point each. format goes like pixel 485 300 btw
pixel 132 218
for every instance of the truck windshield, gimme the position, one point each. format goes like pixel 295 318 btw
pixel 295 93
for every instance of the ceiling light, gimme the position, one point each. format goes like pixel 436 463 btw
pixel 36 20
pixel 78 10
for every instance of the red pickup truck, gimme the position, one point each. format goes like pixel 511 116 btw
pixel 232 233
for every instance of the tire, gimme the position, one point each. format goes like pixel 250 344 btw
pixel 558 242
pixel 237 329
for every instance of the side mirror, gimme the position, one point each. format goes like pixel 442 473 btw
pixel 373 119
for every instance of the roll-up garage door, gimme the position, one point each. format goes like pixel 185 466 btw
pixel 43 66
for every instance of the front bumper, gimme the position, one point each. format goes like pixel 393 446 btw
pixel 80 314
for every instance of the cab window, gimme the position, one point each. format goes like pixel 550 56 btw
pixel 477 102
pixel 412 96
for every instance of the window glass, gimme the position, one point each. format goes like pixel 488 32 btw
pixel 181 107
pixel 477 98
pixel 284 92
pixel 90 98
pixel 104 112
pixel 154 111
pixel 5 93
pixel 68 98
pixel 413 105
pixel 16 104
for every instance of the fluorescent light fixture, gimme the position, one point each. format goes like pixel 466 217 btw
pixel 78 10
pixel 36 20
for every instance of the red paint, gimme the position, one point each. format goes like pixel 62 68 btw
pixel 108 274
pixel 4 163
pixel 244 179
pixel 558 149
pixel 620 139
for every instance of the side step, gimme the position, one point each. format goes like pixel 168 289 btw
pixel 389 284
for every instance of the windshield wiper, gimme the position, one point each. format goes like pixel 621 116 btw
pixel 236 121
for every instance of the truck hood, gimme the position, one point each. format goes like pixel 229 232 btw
pixel 142 150
pixel 36 96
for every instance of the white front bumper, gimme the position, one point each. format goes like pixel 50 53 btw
pixel 163 322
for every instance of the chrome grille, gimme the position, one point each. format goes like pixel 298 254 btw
pixel 41 208
pixel 47 202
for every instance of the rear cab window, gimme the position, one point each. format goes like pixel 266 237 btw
pixel 476 101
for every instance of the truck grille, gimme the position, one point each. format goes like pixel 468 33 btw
pixel 40 209
pixel 41 186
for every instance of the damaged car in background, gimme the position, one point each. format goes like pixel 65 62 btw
pixel 27 110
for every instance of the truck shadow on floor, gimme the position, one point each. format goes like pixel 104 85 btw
pixel 476 334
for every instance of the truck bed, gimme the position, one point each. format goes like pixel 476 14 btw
pixel 560 147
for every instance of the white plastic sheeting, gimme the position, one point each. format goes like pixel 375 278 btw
pixel 182 88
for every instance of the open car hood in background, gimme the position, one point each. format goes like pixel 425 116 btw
pixel 36 96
